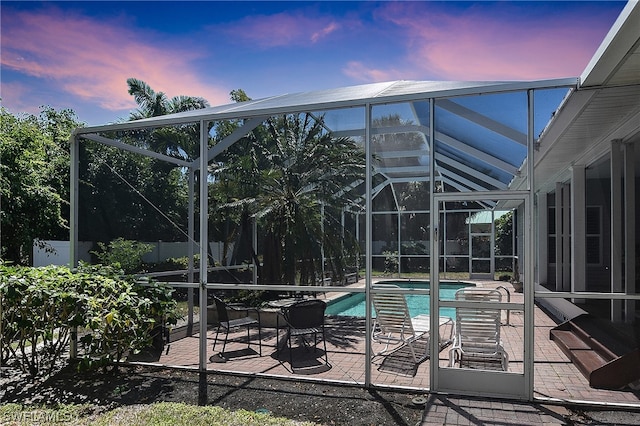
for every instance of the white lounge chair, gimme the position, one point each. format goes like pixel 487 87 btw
pixel 394 325
pixel 477 331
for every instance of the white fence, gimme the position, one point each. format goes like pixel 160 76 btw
pixel 50 252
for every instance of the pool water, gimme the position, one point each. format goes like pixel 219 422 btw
pixel 353 305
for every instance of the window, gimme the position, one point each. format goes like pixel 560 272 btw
pixel 551 239
pixel 594 235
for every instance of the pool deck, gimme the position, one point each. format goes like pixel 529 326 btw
pixel 555 377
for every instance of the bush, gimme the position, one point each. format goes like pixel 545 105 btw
pixel 125 254
pixel 174 264
pixel 122 314
pixel 390 261
pixel 40 306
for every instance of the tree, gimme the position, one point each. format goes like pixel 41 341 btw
pixel 122 193
pixel 504 241
pixel 153 104
pixel 34 179
pixel 292 170
pixel 180 141
pixel 129 196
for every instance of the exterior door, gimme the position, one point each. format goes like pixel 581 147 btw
pixel 481 247
pixel 491 352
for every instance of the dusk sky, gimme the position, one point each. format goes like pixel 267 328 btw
pixel 79 55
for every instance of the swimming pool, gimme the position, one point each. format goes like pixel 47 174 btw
pixel 353 305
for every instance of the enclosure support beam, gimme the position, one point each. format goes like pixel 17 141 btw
pixel 616 228
pixel 578 229
pixel 542 235
pixel 434 270
pixel 399 227
pixel 136 150
pixel 235 136
pixel 566 237
pixel 204 243
pixel 73 224
pixel 529 250
pixel 368 245
pixel 254 242
pixel 629 229
pixel 191 231
pixel 322 213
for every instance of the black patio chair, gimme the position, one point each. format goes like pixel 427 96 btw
pixel 228 324
pixel 305 318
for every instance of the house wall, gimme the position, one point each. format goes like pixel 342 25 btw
pixel 598 192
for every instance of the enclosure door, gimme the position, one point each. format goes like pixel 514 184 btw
pixel 481 251
pixel 465 369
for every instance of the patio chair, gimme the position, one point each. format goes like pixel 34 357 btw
pixel 305 318
pixel 477 331
pixel 394 325
pixel 231 317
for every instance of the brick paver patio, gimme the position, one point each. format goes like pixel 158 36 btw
pixel 554 375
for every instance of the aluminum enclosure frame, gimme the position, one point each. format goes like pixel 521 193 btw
pixel 256 111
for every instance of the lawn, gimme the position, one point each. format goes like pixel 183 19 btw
pixel 162 413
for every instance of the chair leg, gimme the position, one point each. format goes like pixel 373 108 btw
pixel 290 350
pixel 324 341
pixel 216 339
pixel 224 345
pixel 413 352
pixel 260 340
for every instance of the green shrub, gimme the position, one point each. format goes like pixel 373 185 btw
pixel 175 264
pixel 116 313
pixel 125 254
pixel 390 261
pixel 121 313
pixel 39 305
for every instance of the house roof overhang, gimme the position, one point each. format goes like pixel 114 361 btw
pixel 605 107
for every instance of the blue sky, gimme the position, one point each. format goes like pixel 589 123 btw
pixel 78 55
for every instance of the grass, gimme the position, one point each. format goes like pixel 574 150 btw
pixel 161 413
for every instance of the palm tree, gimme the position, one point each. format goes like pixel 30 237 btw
pixel 292 170
pixel 152 104
pixel 181 141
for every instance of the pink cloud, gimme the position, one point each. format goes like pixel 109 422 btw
pixel 360 72
pixel 15 93
pixel 93 59
pixel 284 29
pixel 484 44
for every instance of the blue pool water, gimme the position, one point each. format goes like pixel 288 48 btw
pixel 353 305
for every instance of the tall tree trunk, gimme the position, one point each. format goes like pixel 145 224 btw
pixel 272 260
